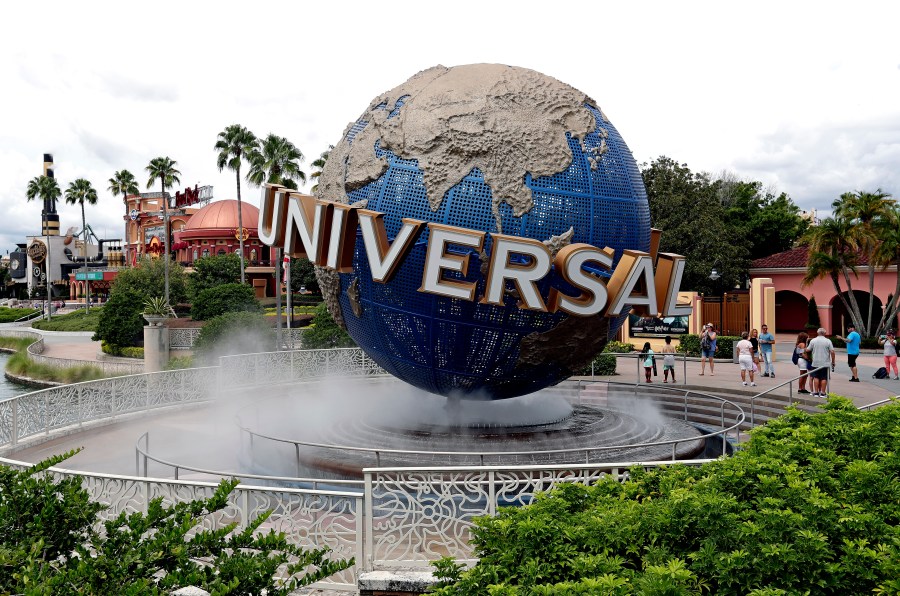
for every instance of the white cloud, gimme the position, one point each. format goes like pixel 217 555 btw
pixel 801 95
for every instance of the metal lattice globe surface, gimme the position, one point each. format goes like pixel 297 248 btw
pixel 491 148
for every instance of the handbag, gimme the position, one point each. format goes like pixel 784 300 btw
pixel 755 368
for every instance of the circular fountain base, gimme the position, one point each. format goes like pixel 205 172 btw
pixel 393 425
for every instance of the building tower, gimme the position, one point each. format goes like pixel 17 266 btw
pixel 49 217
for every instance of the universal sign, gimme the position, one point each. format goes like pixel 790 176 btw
pixel 326 232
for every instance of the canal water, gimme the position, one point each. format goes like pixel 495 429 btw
pixel 8 388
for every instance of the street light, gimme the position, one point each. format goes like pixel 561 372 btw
pixel 715 276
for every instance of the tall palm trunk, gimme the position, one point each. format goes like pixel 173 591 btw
pixel 237 174
pixel 87 282
pixel 166 232
pixel 869 331
pixel 855 313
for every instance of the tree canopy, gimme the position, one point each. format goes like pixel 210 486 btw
pixel 213 271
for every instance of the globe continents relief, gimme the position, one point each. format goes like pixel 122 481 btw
pixel 497 149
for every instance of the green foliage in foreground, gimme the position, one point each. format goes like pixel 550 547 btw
pixel 20 365
pixel 51 544
pixel 18 344
pixel 80 320
pixel 8 315
pixel 324 332
pixel 809 507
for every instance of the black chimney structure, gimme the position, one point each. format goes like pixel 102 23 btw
pixel 49 217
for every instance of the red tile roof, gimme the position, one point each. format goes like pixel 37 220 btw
pixel 793 258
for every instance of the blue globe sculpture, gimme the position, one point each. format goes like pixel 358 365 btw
pixel 491 148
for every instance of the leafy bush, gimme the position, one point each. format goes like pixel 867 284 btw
pixel 234 333
pixel 50 543
pixel 224 298
pixel 808 507
pixel 148 279
pixel 8 315
pixel 121 323
pixel 604 364
pixel 867 343
pixel 180 362
pixel 212 271
pixel 324 333
pixel 690 344
pixel 80 320
pixel 126 352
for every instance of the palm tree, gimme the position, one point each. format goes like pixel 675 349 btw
pixel 235 144
pixel 276 162
pixel 163 169
pixel 123 183
pixel 862 209
pixel 47 189
pixel 887 228
pixel 80 192
pixel 319 165
pixel 833 248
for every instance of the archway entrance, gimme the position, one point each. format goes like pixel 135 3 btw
pixel 791 311
pixel 840 318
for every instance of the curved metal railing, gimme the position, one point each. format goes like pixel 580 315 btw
pixel 723 433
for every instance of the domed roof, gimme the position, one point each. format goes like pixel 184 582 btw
pixel 224 214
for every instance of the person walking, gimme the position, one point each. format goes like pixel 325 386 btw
pixel 852 340
pixel 708 349
pixel 802 363
pixel 766 341
pixel 745 358
pixel 889 341
pixel 822 353
pixel 647 357
pixel 668 352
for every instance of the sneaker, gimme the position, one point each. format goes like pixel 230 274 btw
pixel 753 384
pixel 745 383
pixel 854 380
pixel 896 378
pixel 764 375
pixel 772 376
pixel 802 391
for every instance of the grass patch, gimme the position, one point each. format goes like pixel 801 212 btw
pixel 298 310
pixel 79 320
pixel 19 344
pixel 21 365
pixel 8 315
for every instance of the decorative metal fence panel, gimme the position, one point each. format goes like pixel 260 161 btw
pixel 270 367
pixel 183 338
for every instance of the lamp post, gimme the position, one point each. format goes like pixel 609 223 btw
pixel 714 275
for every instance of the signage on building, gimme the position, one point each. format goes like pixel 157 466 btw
pixel 37 251
pixel 151 232
pixel 656 327
pixel 89 275
pixel 326 232
pixel 192 196
pixel 133 214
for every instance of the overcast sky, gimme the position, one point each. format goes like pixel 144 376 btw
pixel 804 96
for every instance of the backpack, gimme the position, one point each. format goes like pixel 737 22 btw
pixel 795 357
pixel 705 343
pixel 881 373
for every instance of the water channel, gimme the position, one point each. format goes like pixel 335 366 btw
pixel 8 388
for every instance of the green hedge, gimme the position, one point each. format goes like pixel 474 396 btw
pixel 689 344
pixel 8 315
pixel 604 364
pixel 867 343
pixel 808 506
pixel 80 320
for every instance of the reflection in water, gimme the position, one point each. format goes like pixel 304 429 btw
pixel 7 388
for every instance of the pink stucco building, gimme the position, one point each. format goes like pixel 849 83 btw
pixel 787 269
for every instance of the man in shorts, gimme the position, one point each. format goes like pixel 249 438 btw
pixel 852 340
pixel 822 355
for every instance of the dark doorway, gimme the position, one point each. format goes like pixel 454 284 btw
pixel 791 311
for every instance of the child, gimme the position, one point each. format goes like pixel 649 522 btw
pixel 647 356
pixel 668 360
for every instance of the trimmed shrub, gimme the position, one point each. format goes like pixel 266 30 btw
pixel 809 506
pixel 8 315
pixel 121 323
pixel 126 352
pixel 224 298
pixel 603 364
pixel 80 320
pixel 689 344
pixel 324 332
pixel 180 362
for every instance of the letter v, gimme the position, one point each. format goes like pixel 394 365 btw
pixel 385 257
